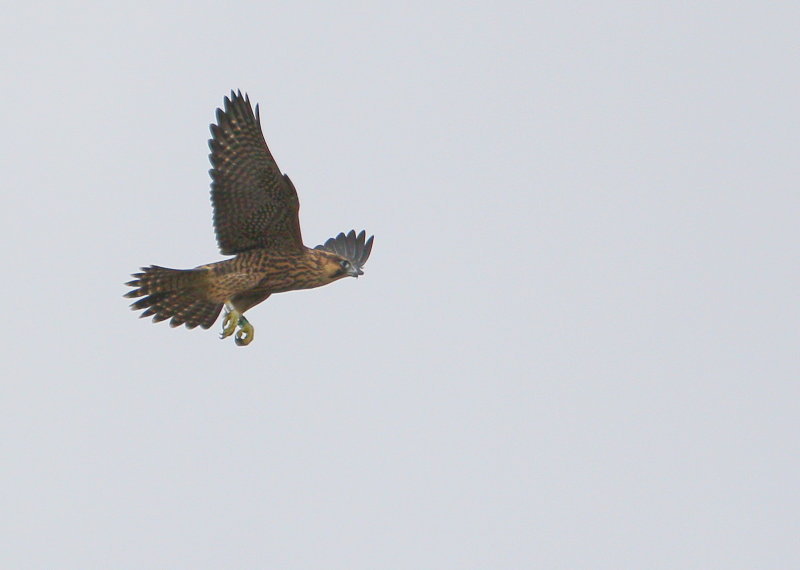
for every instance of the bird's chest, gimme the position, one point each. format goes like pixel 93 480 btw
pixel 278 282
pixel 276 274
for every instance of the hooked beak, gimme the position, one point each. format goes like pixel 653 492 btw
pixel 354 271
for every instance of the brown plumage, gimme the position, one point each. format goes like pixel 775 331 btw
pixel 256 219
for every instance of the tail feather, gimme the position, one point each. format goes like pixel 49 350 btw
pixel 175 294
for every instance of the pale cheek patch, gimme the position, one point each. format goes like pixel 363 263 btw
pixel 334 270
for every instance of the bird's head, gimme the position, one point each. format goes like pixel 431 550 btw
pixel 348 252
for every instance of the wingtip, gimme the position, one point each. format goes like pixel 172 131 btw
pixel 367 249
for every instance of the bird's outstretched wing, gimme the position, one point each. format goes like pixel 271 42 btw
pixel 255 205
pixel 354 248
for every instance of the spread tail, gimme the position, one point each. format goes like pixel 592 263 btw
pixel 173 293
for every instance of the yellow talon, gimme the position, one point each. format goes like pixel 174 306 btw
pixel 244 335
pixel 229 323
pixel 233 319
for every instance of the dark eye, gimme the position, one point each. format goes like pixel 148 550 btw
pixel 345 264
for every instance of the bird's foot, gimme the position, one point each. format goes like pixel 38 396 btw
pixel 232 317
pixel 244 335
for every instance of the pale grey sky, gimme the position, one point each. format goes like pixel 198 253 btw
pixel 575 345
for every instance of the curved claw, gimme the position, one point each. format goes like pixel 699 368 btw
pixel 232 318
pixel 245 334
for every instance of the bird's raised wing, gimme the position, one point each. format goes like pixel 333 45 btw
pixel 255 205
pixel 352 247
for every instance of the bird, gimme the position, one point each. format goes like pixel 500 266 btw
pixel 256 220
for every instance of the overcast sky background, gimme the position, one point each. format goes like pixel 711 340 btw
pixel 576 342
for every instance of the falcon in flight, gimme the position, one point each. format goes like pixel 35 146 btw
pixel 256 220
